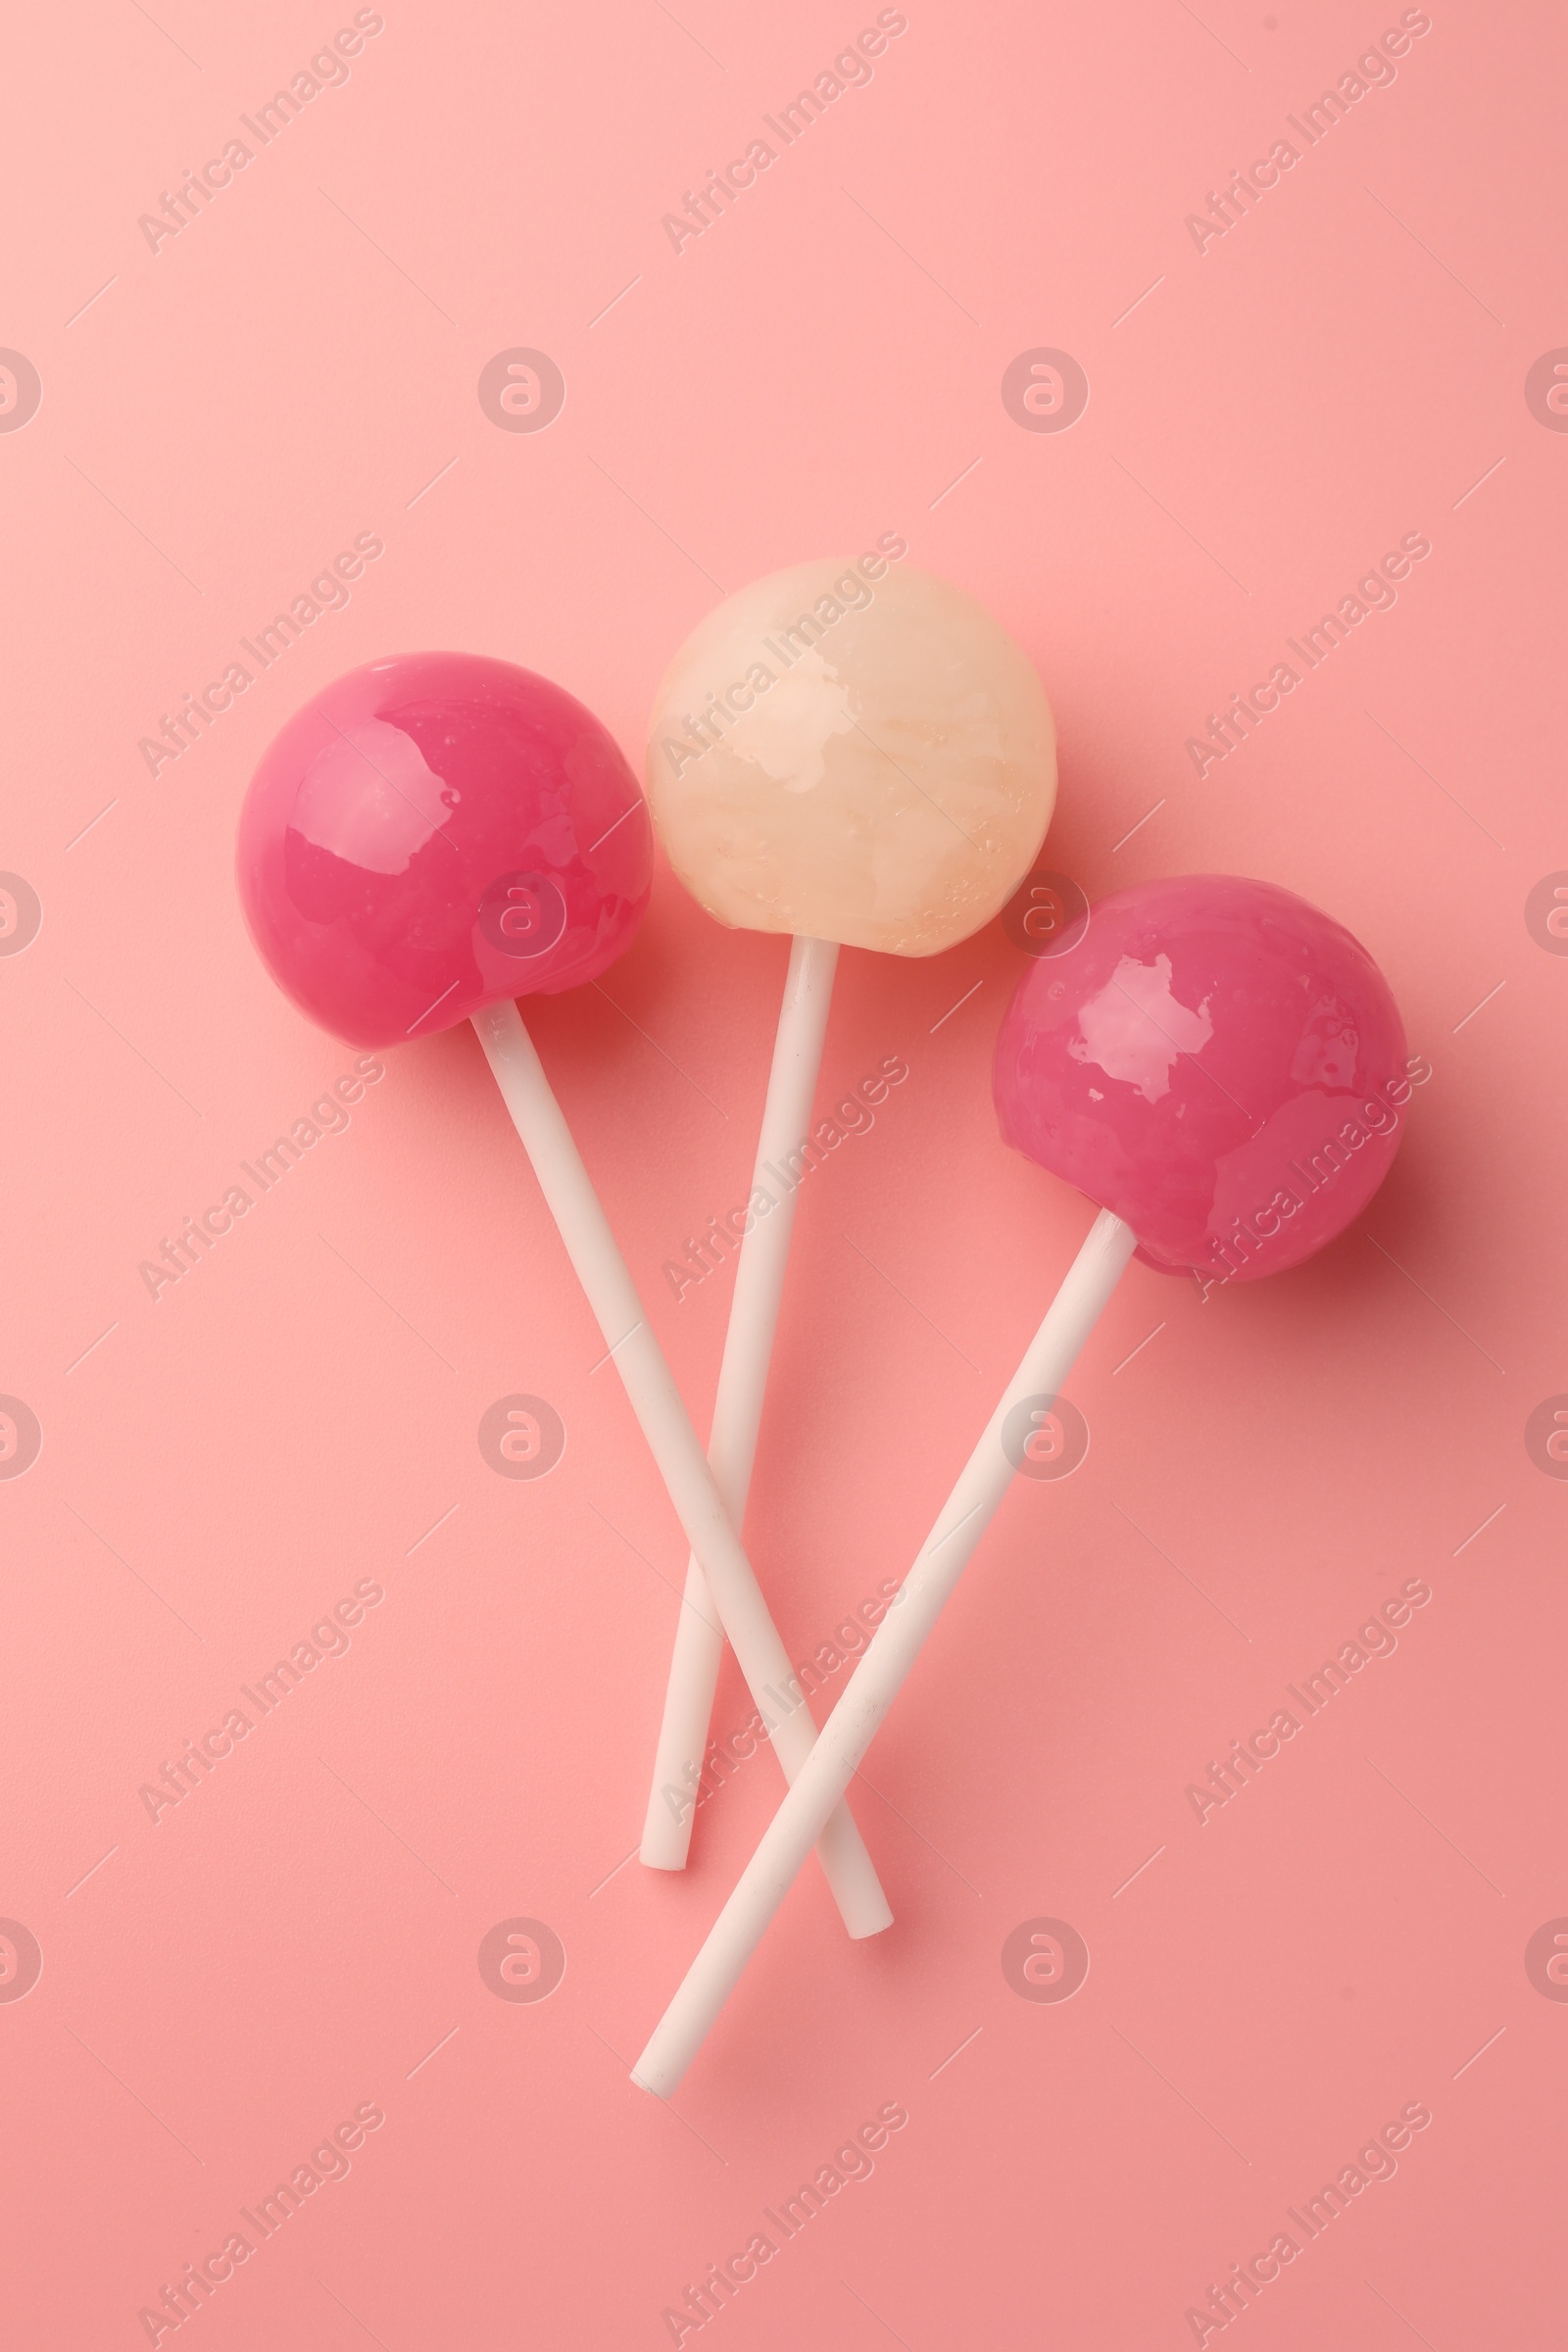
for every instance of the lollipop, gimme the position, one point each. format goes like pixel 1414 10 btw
pixel 427 840
pixel 1222 1067
pixel 858 756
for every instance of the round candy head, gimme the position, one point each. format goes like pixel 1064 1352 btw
pixel 856 753
pixel 1215 1061
pixel 433 833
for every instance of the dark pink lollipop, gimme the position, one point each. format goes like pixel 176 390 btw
pixel 437 833
pixel 425 841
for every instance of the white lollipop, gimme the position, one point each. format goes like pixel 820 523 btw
pixel 856 754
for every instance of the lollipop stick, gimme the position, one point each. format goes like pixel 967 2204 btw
pixel 738 1403
pixel 671 1439
pixel 876 1680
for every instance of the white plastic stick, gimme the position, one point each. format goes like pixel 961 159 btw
pixel 738 1404
pixel 877 1679
pixel 672 1439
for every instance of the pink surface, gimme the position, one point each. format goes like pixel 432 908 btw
pixel 1216 1062
pixel 276 1457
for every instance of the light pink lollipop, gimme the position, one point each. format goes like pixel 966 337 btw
pixel 1222 1068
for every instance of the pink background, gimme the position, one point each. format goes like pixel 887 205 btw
pixel 300 1935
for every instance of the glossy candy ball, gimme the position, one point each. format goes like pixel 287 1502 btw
pixel 856 751
pixel 1217 1062
pixel 432 834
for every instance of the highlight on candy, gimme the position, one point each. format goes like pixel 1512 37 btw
pixel 852 593
pixel 1378 1114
